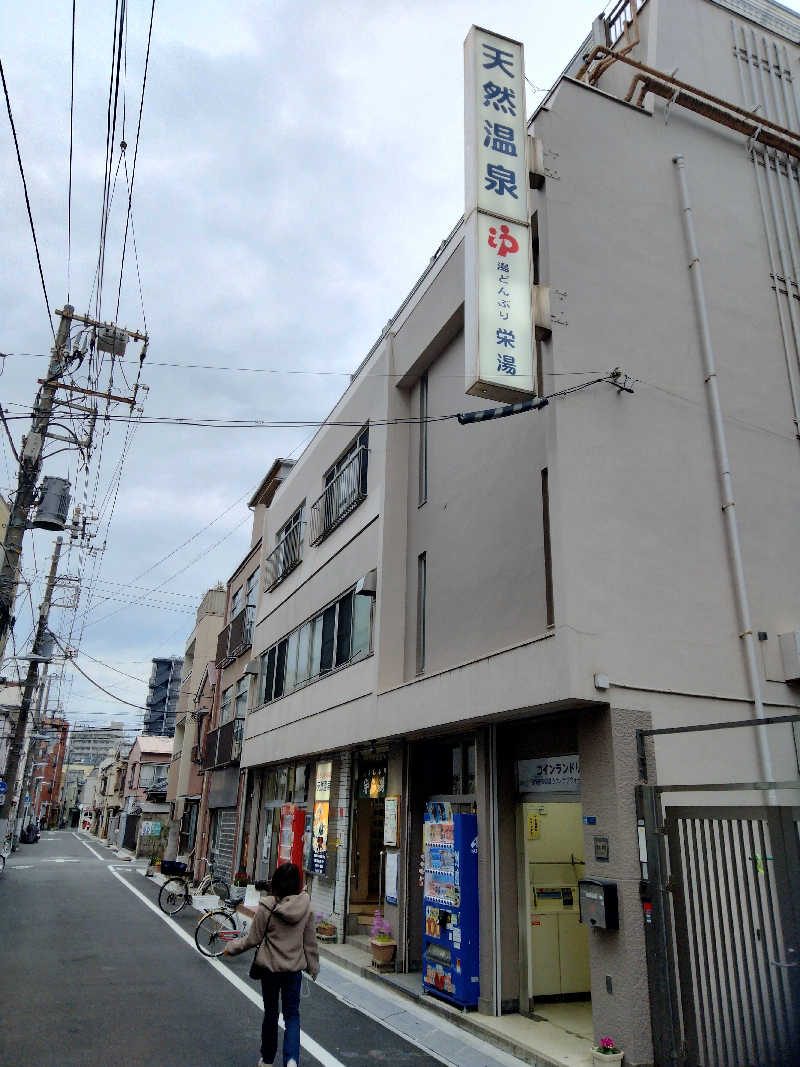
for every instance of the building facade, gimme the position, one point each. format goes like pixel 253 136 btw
pixel 490 618
pixel 185 778
pixel 142 818
pixel 162 696
pixel 89 744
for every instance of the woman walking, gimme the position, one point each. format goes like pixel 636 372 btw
pixel 283 929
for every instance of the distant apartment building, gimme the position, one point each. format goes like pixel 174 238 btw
pixel 90 744
pixel 162 696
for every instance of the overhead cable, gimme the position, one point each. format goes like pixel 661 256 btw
pixel 27 200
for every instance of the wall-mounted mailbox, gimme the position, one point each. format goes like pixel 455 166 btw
pixel 598 903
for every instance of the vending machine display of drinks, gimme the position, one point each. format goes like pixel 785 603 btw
pixel 290 843
pixel 450 962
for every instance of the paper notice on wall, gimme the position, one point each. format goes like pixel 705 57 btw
pixel 391 877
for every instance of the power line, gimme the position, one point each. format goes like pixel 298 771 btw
pixel 71 113
pixel 138 707
pixel 27 199
pixel 128 218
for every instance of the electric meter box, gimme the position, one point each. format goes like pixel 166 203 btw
pixel 598 902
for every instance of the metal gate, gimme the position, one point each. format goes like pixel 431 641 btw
pixel 724 933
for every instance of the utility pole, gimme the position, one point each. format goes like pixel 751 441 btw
pixel 15 752
pixel 29 467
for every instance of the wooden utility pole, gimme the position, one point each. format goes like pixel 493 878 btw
pixel 30 466
pixel 17 744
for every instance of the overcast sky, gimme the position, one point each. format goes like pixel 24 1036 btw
pixel 299 163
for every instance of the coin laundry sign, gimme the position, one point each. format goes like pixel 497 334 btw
pixel 498 320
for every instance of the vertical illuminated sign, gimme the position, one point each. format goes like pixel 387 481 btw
pixel 498 321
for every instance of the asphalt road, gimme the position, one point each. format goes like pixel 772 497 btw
pixel 90 975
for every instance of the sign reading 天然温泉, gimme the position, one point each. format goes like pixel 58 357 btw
pixel 498 319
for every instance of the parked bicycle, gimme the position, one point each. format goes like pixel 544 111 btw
pixel 176 892
pixel 5 852
pixel 216 928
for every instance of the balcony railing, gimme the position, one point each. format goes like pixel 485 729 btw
pixel 342 496
pixel 236 636
pixel 224 744
pixel 197 755
pixel 284 557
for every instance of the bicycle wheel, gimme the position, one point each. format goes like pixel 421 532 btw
pixel 173 895
pixel 220 887
pixel 213 932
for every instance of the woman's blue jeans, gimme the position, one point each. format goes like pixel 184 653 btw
pixel 287 985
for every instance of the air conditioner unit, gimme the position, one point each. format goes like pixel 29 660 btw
pixel 543 323
pixel 252 667
pixel 790 654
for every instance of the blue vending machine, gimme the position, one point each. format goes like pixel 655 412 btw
pixel 450 964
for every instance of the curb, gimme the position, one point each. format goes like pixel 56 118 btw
pixel 458 1018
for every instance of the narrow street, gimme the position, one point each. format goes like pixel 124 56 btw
pixel 90 973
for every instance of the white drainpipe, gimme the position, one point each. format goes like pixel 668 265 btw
pixel 726 482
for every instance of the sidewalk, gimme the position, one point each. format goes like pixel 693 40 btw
pixel 559 1035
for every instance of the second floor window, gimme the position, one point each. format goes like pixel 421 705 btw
pixel 226 705
pixel 252 590
pixel 151 773
pixel 333 638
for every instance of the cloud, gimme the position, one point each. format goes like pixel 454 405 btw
pixel 298 166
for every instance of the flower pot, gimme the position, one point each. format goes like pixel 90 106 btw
pixel 603 1059
pixel 383 951
pixel 326 932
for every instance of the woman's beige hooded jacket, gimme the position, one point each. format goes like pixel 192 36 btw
pixel 290 943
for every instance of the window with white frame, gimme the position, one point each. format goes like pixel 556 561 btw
pixel 151 773
pixel 336 636
pixel 226 705
pixel 252 589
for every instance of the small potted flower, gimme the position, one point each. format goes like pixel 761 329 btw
pixel 325 929
pixel 239 887
pixel 381 942
pixel 606 1052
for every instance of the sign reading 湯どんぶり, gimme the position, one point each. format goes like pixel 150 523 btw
pixel 498 318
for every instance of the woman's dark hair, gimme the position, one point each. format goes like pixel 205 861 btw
pixel 286 880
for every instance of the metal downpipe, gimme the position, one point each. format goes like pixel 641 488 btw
pixel 726 482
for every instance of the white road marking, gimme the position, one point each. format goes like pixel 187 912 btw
pixel 308 1043
pixel 97 854
pixel 21 866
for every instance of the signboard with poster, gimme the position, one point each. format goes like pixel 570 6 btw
pixel 498 318
pixel 319 823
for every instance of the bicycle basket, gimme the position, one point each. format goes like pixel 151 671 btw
pixel 172 867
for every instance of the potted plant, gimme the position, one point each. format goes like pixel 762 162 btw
pixel 381 942
pixel 325 929
pixel 239 887
pixel 606 1052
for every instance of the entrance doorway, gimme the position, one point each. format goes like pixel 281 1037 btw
pixel 554 946
pixel 366 843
